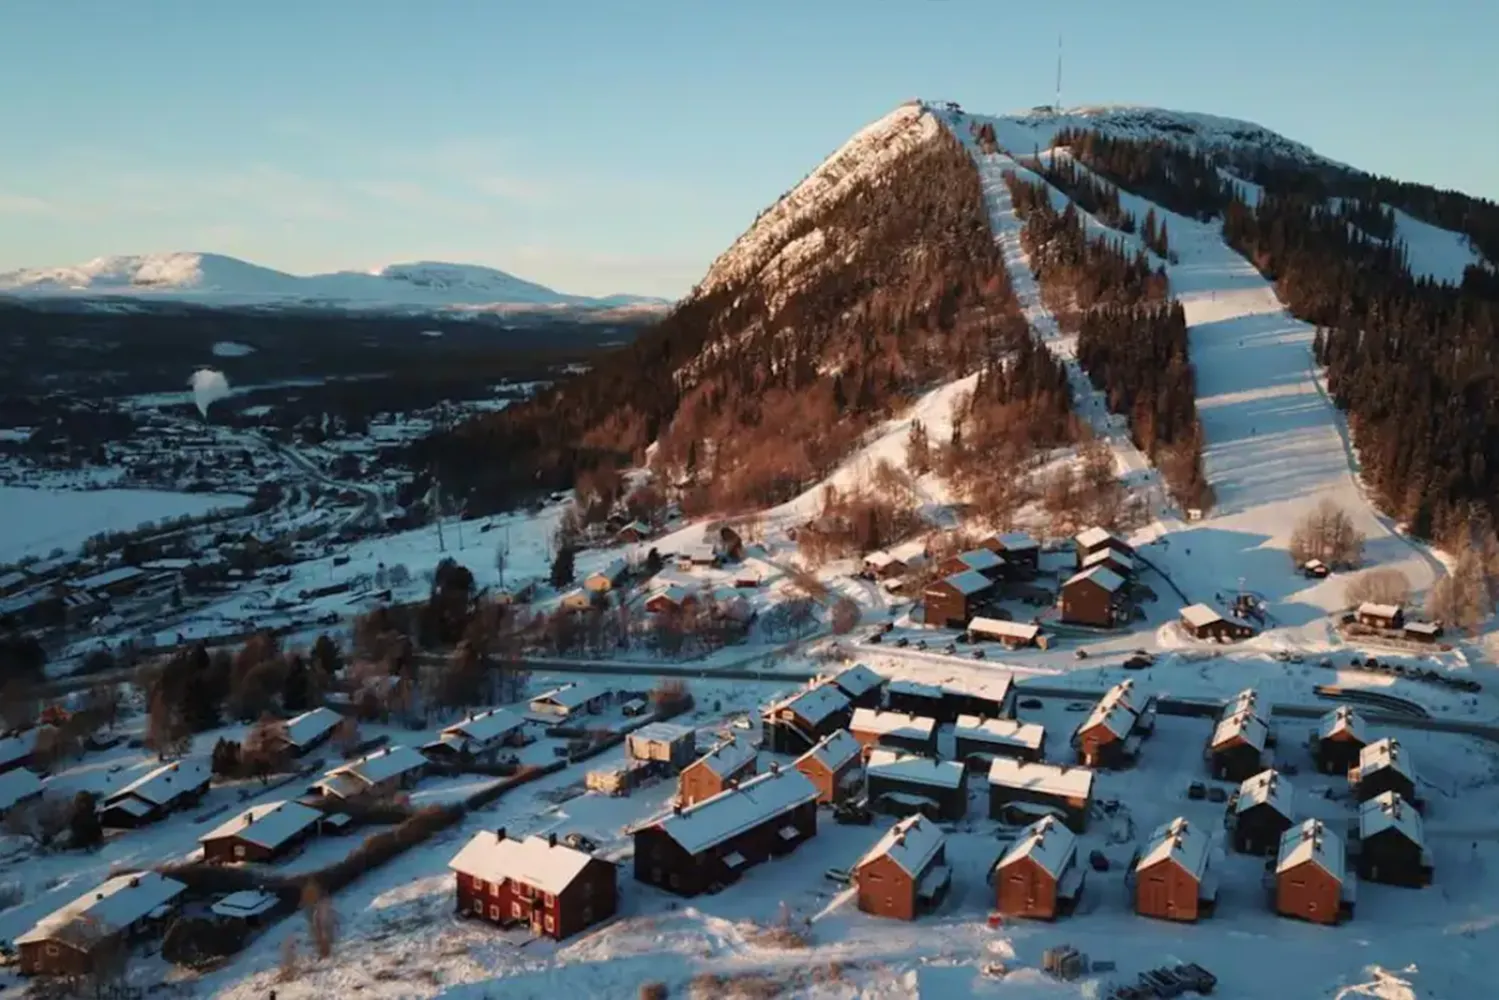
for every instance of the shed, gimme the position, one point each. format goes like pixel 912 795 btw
pixel 1262 810
pixel 1385 616
pixel 674 744
pixel 250 907
pixel 261 833
pixel 1030 787
pixel 1202 622
pixel 1312 881
pixel 833 765
pixel 900 783
pixel 575 698
pixel 1423 631
pixel 1039 876
pixel 905 873
pixel 1013 635
pixel 1172 875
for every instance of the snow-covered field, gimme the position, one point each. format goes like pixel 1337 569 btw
pixel 40 520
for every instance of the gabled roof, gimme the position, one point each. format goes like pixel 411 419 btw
pixel 728 758
pixel 1007 732
pixel 1179 841
pixel 715 820
pixel 163 784
pixel 1114 711
pixel 487 726
pixel 1267 788
pixel 16 785
pixel 573 695
pixel 309 727
pixel 1379 610
pixel 879 559
pixel 663 732
pixel 1016 541
pixel 244 904
pixel 815 703
pixel 1386 811
pixel 119 903
pixel 916 689
pixel 1382 754
pixel 858 680
pixel 1046 842
pixel 1311 841
pixel 981 559
pixel 1062 780
pixel 834 750
pixel 1090 537
pixel 611 571
pixel 1343 719
pixel 673 593
pixel 999 628
pixel 968 582
pixel 1100 576
pixel 1200 615
pixel 915 769
pixel 993 687
pixel 1246 725
pixel 534 861
pixel 1423 628
pixel 878 723
pixel 1246 700
pixel 1101 556
pixel 269 825
pixel 383 764
pixel 911 843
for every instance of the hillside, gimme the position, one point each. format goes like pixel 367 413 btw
pixel 216 280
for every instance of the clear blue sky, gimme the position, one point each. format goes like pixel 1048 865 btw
pixel 618 145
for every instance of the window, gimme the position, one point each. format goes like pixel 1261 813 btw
pixel 871 876
pixel 494 888
pixel 587 889
pixel 551 925
pixel 494 911
pixel 548 898
pixel 52 950
pixel 478 885
pixel 1311 906
pixel 239 850
pixel 517 910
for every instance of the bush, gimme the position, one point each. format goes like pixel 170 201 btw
pixel 653 991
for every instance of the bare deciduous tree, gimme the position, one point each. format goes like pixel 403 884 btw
pixel 1379 586
pixel 845 615
pixel 1327 533
pixel 322 920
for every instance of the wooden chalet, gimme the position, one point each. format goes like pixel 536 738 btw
pixel 861 685
pixel 1012 635
pixel 978 740
pixel 1039 877
pixel 1260 813
pixel 1338 741
pixel 726 765
pixel 899 784
pixel 1202 622
pixel 1422 631
pixel 478 736
pixel 152 796
pixel 635 531
pixel 576 600
pixel 794 725
pixel 711 843
pixel 606 578
pixel 981 560
pixel 1383 766
pixel 376 775
pixel 1110 735
pixel 1021 552
pixel 1312 881
pixel 1392 843
pixel 554 889
pixel 894 730
pixel 953 600
pixel 1390 617
pixel 672 744
pixel 302 734
pixel 573 699
pixel 905 873
pixel 670 599
pixel 261 833
pixel 92 928
pixel 892 564
pixel 1238 748
pixel 833 766
pixel 1097 597
pixel 1097 539
pixel 1110 558
pixel 1034 788
pixel 1173 875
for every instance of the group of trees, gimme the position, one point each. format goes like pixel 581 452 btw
pixel 1327 533
pixel 869 516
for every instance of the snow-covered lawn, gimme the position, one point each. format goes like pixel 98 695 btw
pixel 40 520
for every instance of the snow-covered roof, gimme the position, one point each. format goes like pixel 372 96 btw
pixel 994 686
pixel 911 843
pixel 610 571
pixel 535 861
pixel 673 593
pixel 161 785
pixel 1001 629
pixel 1090 537
pixel 879 559
pixel 914 768
pixel 1246 725
pixel 663 732
pixel 120 574
pixel 916 689
pixel 1016 541
pixel 309 727
pixel 728 758
pixel 1102 556
pixel 981 559
pixel 1385 753
pixel 1388 810
pixel 1379 610
pixel 383 764
pixel 270 824
pixel 1423 628
pixel 18 747
pixel 487 726
pixel 834 750
pixel 878 723
pixel 857 680
pixel 1114 711
pixel 1311 841
pixel 1179 841
pixel 1247 700
pixel 1048 843
pixel 1267 787
pixel 1009 732
pixel 244 904
pixel 814 704
pixel 1061 780
pixel 1343 719
pixel 573 695
pixel 968 582
pixel 119 903
pixel 16 785
pixel 1200 615
pixel 1099 575
pixel 730 813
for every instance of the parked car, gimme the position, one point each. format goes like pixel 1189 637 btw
pixel 903 641
pixel 876 637
pixel 580 842
pixel 1196 977
pixel 1099 861
pixel 1197 791
pixel 1080 653
pixel 978 654
pixel 1216 794
pixel 839 875
pixel 950 648
pixel 1031 703
pixel 1136 663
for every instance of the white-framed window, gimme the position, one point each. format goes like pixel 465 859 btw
pixel 551 924
pixel 478 885
pixel 494 888
pixel 239 850
pixel 52 950
pixel 517 910
pixel 494 911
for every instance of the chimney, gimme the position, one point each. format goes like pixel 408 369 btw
pixel 135 883
pixel 499 834
pixel 775 767
pixel 552 839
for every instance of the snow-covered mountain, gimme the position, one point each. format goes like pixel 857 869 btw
pixel 215 279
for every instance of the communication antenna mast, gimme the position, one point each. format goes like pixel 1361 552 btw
pixel 1058 105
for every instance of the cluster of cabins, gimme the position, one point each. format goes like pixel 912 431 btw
pixel 1392 619
pixel 967 583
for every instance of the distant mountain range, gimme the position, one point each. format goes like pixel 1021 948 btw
pixel 214 279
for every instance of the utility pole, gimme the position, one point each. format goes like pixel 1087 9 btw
pixel 1058 106
pixel 437 512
